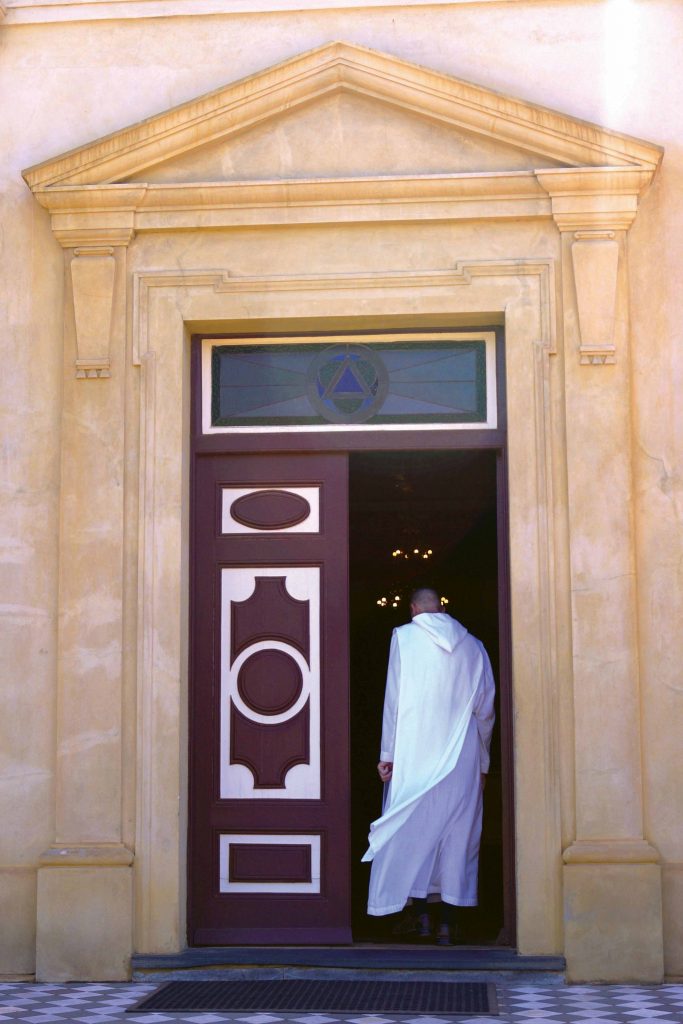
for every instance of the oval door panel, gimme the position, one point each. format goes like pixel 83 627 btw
pixel 270 510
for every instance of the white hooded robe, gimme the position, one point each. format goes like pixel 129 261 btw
pixel 436 729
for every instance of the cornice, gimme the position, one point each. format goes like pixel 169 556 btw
pixel 201 195
pixel 119 198
pixel 24 12
pixel 326 70
pixel 594 198
pixel 594 180
pixel 198 195
pixel 93 234
pixel 579 199
pixel 82 211
pixel 91 205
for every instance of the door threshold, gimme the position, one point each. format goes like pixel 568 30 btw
pixel 370 956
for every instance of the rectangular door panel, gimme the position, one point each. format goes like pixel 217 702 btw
pixel 269 814
pixel 270 734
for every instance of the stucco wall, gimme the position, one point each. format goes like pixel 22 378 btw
pixel 65 83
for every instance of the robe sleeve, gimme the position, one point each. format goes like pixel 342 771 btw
pixel 391 702
pixel 483 711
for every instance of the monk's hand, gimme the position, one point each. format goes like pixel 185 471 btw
pixel 385 768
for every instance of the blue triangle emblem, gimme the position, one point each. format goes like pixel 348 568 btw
pixel 348 384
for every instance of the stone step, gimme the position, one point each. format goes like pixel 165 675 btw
pixel 334 961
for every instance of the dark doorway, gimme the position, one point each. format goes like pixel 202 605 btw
pixel 422 518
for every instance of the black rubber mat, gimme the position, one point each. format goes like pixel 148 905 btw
pixel 304 996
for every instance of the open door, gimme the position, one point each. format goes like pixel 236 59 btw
pixel 428 518
pixel 269 800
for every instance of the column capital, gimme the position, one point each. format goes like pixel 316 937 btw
pixel 594 198
pixel 87 216
pixel 611 851
pixel 86 855
pixel 89 238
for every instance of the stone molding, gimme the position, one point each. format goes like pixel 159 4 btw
pixel 34 11
pixel 577 199
pixel 79 212
pixel 91 206
pixel 611 851
pixel 91 235
pixel 595 207
pixel 167 306
pixel 222 282
pixel 92 217
pixel 87 855
pixel 594 198
pixel 594 204
pixel 90 241
pixel 324 71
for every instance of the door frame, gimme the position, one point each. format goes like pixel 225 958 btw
pixel 171 305
pixel 410 439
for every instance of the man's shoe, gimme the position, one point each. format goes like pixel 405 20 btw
pixel 445 936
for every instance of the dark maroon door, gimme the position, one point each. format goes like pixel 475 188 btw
pixel 269 793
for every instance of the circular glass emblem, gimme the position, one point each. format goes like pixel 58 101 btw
pixel 347 383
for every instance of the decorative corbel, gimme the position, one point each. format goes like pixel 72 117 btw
pixel 93 270
pixel 94 226
pixel 593 208
pixel 595 258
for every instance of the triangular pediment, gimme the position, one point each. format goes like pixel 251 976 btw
pixel 342 135
pixel 342 111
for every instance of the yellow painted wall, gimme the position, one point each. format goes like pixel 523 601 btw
pixel 64 83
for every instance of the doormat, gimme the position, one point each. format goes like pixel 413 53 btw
pixel 307 996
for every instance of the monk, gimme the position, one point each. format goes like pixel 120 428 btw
pixel 436 734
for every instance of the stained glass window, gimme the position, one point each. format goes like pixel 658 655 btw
pixel 434 381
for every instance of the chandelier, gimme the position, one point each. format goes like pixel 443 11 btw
pixel 415 553
pixel 399 590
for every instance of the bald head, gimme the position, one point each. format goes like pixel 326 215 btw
pixel 424 599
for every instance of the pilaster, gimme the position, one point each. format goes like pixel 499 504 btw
pixel 85 878
pixel 612 883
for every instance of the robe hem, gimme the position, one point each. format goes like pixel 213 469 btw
pixel 382 911
pixel 455 901
pixel 394 908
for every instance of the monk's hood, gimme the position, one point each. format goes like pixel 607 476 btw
pixel 445 631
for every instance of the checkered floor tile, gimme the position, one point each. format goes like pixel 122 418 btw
pixel 518 1004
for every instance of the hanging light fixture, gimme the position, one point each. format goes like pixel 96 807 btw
pixel 415 553
pixel 399 590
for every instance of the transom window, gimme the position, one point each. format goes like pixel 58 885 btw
pixel 358 381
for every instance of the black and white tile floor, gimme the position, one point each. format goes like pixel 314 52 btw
pixel 518 1004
